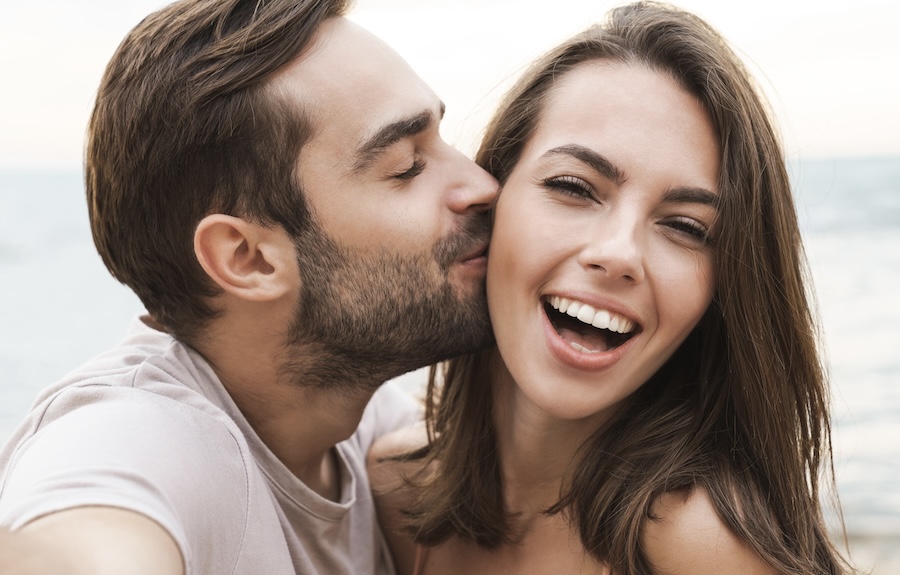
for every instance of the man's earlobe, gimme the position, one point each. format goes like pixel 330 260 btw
pixel 245 259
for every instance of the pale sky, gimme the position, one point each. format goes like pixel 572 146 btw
pixel 827 66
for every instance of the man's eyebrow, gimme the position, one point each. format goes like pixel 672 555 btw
pixel 588 156
pixel 392 133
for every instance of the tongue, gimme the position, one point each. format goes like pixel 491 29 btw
pixel 592 341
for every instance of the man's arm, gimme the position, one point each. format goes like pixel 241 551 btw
pixel 90 541
pixel 133 471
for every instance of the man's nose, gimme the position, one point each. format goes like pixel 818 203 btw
pixel 476 190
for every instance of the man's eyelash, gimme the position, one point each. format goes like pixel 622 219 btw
pixel 417 167
pixel 569 185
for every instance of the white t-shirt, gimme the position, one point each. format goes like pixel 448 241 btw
pixel 148 427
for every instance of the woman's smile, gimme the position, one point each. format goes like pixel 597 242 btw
pixel 587 329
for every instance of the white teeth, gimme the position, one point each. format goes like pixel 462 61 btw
pixel 581 348
pixel 574 308
pixel 601 319
pixel 586 314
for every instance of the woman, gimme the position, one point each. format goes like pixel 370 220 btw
pixel 655 402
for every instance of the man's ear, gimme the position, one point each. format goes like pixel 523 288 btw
pixel 247 260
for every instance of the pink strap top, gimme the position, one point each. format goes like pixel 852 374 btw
pixel 421 556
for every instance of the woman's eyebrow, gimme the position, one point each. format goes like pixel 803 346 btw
pixel 588 156
pixel 692 195
pixel 603 166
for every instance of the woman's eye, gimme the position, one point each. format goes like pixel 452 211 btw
pixel 569 185
pixel 417 167
pixel 691 228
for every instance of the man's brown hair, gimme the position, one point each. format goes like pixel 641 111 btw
pixel 185 124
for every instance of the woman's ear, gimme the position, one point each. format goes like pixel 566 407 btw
pixel 245 259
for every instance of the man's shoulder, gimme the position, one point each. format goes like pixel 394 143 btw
pixel 107 419
pixel 148 367
pixel 147 391
pixel 124 447
pixel 143 357
pixel 129 429
pixel 391 407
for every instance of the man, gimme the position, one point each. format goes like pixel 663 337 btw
pixel 270 180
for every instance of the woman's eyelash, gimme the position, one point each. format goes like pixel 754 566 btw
pixel 569 185
pixel 417 167
pixel 576 187
pixel 691 228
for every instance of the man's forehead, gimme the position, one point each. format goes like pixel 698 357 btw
pixel 341 55
pixel 357 92
pixel 349 70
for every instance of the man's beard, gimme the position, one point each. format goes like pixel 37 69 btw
pixel 364 318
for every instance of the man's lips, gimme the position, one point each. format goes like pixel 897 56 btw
pixel 475 254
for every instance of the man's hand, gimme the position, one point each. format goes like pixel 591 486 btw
pixel 90 541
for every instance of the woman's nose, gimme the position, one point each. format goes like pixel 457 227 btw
pixel 615 249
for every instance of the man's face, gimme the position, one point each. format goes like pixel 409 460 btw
pixel 392 271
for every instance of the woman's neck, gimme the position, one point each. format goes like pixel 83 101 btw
pixel 536 449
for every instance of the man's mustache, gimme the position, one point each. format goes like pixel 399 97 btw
pixel 472 234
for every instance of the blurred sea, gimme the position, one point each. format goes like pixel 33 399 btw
pixel 59 306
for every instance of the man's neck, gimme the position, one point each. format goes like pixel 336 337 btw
pixel 298 422
pixel 301 426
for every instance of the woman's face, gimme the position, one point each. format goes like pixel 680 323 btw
pixel 601 263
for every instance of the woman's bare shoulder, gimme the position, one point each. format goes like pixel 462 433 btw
pixel 687 536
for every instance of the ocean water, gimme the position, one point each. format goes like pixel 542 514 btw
pixel 59 306
pixel 850 216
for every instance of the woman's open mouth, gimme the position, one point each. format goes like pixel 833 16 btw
pixel 588 329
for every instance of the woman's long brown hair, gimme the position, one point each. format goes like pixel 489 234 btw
pixel 741 409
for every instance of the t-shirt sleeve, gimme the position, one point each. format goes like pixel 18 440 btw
pixel 132 449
